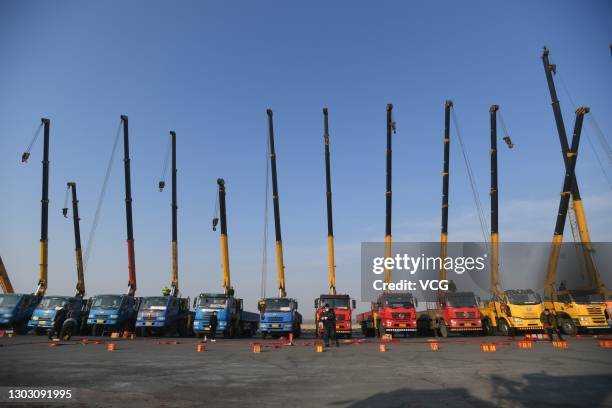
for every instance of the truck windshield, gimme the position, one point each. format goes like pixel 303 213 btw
pixel 154 302
pixel 523 297
pixel 49 303
pixel 335 303
pixel 585 298
pixel 9 301
pixel 107 302
pixel 461 300
pixel 399 302
pixel 212 302
pixel 278 305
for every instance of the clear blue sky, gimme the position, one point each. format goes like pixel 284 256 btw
pixel 209 70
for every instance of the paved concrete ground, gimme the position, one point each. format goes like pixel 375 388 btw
pixel 143 372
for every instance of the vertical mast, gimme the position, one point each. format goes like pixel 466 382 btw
pixel 445 184
pixel 568 181
pixel 80 286
pixel 44 217
pixel 175 284
pixel 128 208
pixel 330 222
pixel 227 285
pixel 390 131
pixel 280 266
pixel 495 288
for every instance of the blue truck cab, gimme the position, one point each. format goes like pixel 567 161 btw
pixel 16 310
pixel 232 319
pixel 112 313
pixel 43 316
pixel 165 315
pixel 279 316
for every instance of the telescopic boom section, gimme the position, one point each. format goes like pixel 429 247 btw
pixel 128 208
pixel 227 285
pixel 44 217
pixel 583 228
pixel 330 221
pixel 390 131
pixel 5 282
pixel 445 184
pixel 80 286
pixel 175 284
pixel 570 166
pixel 280 266
pixel 495 288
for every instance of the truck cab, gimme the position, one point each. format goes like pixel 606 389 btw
pixel 342 306
pixel 454 312
pixel 16 310
pixel 579 310
pixel 232 319
pixel 392 313
pixel 112 313
pixel 165 315
pixel 511 311
pixel 43 316
pixel 279 316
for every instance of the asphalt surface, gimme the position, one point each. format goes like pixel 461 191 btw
pixel 143 372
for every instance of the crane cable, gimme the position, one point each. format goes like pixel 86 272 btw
pixel 483 221
pixel 162 178
pixel 26 154
pixel 92 232
pixel 264 258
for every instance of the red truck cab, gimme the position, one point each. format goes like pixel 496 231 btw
pixel 392 313
pixel 342 306
pixel 454 312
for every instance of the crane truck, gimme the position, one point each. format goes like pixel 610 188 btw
pixel 232 319
pixel 17 308
pixel 43 317
pixel 512 310
pixel 170 313
pixel 391 313
pixel 278 315
pixel 340 303
pixel 452 312
pixel 584 308
pixel 110 312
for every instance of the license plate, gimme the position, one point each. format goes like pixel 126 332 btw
pixel 468 324
pixel 402 325
pixel 148 324
pixel 99 321
pixel 275 326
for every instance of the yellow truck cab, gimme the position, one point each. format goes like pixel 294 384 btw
pixel 511 311
pixel 579 310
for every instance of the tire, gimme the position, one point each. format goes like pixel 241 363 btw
pixel 40 332
pixel 444 330
pixel 380 329
pixel 487 330
pixel 264 335
pixel 567 326
pixel 504 328
pixel 21 328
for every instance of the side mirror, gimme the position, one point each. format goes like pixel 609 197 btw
pixel 416 302
pixel 194 303
pixel 316 303
pixel 353 304
pixel 261 306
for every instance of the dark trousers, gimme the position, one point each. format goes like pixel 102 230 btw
pixel 330 334
pixel 551 330
pixel 213 331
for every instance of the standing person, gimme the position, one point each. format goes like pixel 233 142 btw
pixel 328 316
pixel 213 326
pixel 58 322
pixel 549 321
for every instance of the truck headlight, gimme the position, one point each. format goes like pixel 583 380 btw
pixel 161 317
pixel 584 319
pixel 517 320
pixel 33 317
pixel 389 323
pixel 453 322
pixel 114 316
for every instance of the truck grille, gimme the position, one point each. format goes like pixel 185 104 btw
pixel 594 311
pixel 274 319
pixel 400 316
pixel 340 318
pixel 463 315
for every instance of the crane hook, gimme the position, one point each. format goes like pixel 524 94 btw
pixel 162 184
pixel 508 141
pixel 24 157
pixel 215 221
pixel 65 212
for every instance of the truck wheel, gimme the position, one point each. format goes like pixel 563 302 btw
pixel 504 328
pixel 487 330
pixel 444 331
pixel 21 328
pixel 264 335
pixel 39 331
pixel 364 330
pixel 567 326
pixel 297 331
